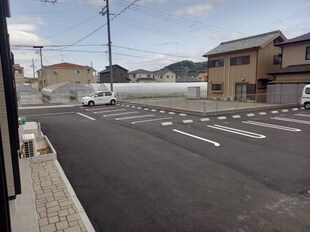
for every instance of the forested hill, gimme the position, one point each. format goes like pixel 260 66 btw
pixel 188 68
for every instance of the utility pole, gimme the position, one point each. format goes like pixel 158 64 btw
pixel 41 73
pixel 34 74
pixel 106 11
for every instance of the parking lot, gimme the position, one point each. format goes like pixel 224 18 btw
pixel 142 169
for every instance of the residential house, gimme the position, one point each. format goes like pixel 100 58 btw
pixel 10 185
pixel 238 68
pixel 187 79
pixel 19 74
pixel 164 75
pixel 120 74
pixel 140 75
pixel 65 72
pixel 203 76
pixel 294 71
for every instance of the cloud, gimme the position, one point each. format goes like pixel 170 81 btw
pixel 22 30
pixel 200 8
pixel 302 12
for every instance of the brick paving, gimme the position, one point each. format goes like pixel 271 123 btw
pixel 55 208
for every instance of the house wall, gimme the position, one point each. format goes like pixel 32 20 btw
pixel 119 76
pixel 5 137
pixel 53 76
pixel 299 77
pixel 135 76
pixel 294 54
pixel 166 77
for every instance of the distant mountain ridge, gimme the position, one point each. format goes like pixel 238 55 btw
pixel 188 68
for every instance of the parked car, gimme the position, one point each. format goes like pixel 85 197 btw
pixel 99 98
pixel 305 97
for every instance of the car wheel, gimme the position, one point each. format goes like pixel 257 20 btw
pixel 91 103
pixel 307 105
pixel 112 102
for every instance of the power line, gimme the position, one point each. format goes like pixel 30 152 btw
pixel 102 26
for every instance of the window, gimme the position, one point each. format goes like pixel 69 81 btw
pixel 307 53
pixel 99 95
pixel 108 94
pixel 262 84
pixel 216 87
pixel 216 63
pixel 307 91
pixel 167 76
pixel 277 59
pixel 77 71
pixel 240 60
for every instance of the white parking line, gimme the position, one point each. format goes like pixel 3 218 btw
pixel 292 120
pixel 303 115
pixel 151 120
pixel 237 131
pixel 49 114
pixel 166 124
pixel 222 118
pixel 236 116
pixel 153 110
pixel 274 112
pixel 108 111
pixel 133 117
pixel 162 111
pixel 205 119
pixel 272 126
pixel 262 113
pixel 295 109
pixel 284 111
pixel 183 115
pixel 188 121
pixel 102 108
pixel 86 116
pixel 146 109
pixel 110 115
pixel 197 137
pixel 172 113
pixel 250 115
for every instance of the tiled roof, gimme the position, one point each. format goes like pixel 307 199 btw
pixel 140 71
pixel 304 68
pixel 245 43
pixel 68 65
pixel 298 39
pixel 107 70
pixel 162 71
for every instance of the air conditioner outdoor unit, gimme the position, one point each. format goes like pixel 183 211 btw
pixel 30 146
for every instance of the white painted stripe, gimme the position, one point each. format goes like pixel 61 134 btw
pixel 139 107
pixel 188 121
pixel 272 126
pixel 205 119
pixel 295 109
pixel 86 116
pixel 44 107
pixel 122 105
pixel 118 104
pixel 302 108
pixel 153 110
pixel 89 227
pixel 127 105
pixel 284 111
pixel 292 120
pixel 239 132
pixel 110 115
pixel 108 111
pixel 172 113
pixel 133 106
pixel 166 124
pixel 146 109
pixel 197 137
pixel 49 114
pixel 262 113
pixel 274 112
pixel 162 111
pixel 303 115
pixel 236 116
pixel 133 117
pixel 250 115
pixel 95 109
pixel 151 120
pixel 222 118
pixel 183 115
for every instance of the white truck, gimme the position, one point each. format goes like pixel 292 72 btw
pixel 305 97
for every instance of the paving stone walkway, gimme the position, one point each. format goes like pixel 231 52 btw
pixel 55 207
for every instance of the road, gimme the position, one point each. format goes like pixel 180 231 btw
pixel 137 169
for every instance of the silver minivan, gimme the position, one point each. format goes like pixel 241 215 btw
pixel 305 97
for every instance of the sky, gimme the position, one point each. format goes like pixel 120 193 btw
pixel 146 34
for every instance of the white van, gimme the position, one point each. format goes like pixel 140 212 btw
pixel 305 97
pixel 99 98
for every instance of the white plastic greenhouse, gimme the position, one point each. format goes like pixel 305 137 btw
pixel 66 92
pixel 28 95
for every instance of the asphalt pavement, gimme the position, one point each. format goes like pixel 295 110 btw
pixel 141 169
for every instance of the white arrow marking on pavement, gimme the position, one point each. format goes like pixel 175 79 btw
pixel 292 120
pixel 237 131
pixel 303 115
pixel 151 120
pixel 85 116
pixel 108 111
pixel 272 126
pixel 197 137
pixel 110 115
pixel 139 116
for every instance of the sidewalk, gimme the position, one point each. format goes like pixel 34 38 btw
pixel 48 202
